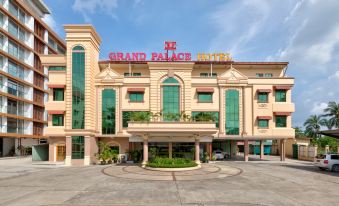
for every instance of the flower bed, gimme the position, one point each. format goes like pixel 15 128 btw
pixel 159 162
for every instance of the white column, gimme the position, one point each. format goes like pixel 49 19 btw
pixel 145 160
pixel 197 151
pixel 282 150
pixel 68 160
pixel 246 150
pixel 261 149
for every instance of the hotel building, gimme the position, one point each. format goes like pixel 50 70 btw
pixel 195 106
pixel 23 79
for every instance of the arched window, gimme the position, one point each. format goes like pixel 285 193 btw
pixel 232 112
pixel 78 87
pixel 171 99
pixel 108 111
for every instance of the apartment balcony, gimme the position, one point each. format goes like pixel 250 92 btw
pixel 57 79
pixel 283 107
pixel 283 132
pixel 51 106
pixel 53 59
pixel 55 131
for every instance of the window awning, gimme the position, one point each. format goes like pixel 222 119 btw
pixel 56 85
pixel 264 90
pixel 282 113
pixel 264 117
pixel 55 112
pixel 283 87
pixel 205 90
pixel 136 90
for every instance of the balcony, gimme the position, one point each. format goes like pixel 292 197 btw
pixel 55 106
pixel 283 107
pixel 283 132
pixel 57 78
pixel 54 131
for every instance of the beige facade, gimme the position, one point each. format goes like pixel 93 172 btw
pixel 247 79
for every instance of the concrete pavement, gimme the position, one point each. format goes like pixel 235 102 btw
pixel 260 183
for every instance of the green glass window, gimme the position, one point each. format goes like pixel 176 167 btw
pixel 58 120
pixel 262 97
pixel 170 100
pixel 137 74
pixel 205 97
pixel 280 121
pixel 108 111
pixel 232 112
pixel 78 147
pixel 58 94
pixel 56 68
pixel 206 117
pixel 78 87
pixel 205 74
pixel 259 75
pixel 280 95
pixel 268 75
pixel 263 123
pixel 136 97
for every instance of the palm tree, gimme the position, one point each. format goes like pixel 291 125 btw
pixel 327 123
pixel 299 132
pixel 312 125
pixel 332 111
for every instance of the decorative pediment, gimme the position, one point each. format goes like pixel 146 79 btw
pixel 233 75
pixel 108 74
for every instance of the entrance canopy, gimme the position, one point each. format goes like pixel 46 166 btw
pixel 172 131
pixel 332 133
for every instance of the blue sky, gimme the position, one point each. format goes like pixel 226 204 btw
pixel 303 32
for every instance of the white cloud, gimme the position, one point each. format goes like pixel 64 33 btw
pixel 318 108
pixel 334 76
pixel 91 7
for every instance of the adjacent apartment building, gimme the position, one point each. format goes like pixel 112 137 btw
pixel 23 79
pixel 177 107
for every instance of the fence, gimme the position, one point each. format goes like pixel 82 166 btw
pixel 308 153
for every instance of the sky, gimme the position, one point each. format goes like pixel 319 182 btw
pixel 303 32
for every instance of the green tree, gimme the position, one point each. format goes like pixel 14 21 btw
pixel 299 132
pixel 313 125
pixel 332 111
pixel 327 123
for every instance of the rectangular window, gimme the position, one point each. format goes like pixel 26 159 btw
pixel 15 69
pixel 13 49
pixel 136 97
pixel 13 28
pixel 262 97
pixel 232 112
pixel 263 123
pixel 58 94
pixel 78 147
pixel 280 121
pixel 56 68
pixel 137 74
pixel 268 75
pixel 259 75
pixel 57 119
pixel 205 74
pixel 12 125
pixel 280 95
pixel 15 89
pixel 13 9
pixel 205 97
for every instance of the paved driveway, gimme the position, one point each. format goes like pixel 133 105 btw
pixel 259 183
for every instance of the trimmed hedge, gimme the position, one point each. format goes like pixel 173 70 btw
pixel 160 162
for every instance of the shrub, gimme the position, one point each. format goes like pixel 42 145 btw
pixel 160 162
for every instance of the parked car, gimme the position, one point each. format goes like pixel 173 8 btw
pixel 328 161
pixel 218 154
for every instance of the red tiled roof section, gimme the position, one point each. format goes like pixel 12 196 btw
pixel 56 85
pixel 56 112
pixel 283 113
pixel 264 90
pixel 205 90
pixel 264 117
pixel 283 87
pixel 136 90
